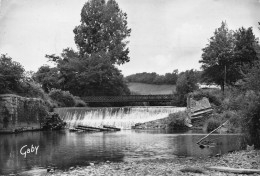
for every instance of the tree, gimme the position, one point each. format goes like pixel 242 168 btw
pixel 89 76
pixel 103 28
pixel 47 77
pixel 244 51
pixel 11 75
pixel 186 83
pixel 217 57
pixel 100 39
pixel 228 56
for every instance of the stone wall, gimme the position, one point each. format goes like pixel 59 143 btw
pixel 18 112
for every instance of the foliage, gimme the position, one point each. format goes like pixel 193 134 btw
pixel 147 89
pixel 214 95
pixel 186 83
pixel 11 74
pixel 252 81
pixel 227 55
pixel 93 75
pixel 31 89
pixel 251 117
pixel 213 122
pixel 79 102
pixel 178 120
pixel 62 98
pixel 47 77
pixel 103 28
pixel 154 78
pixel 101 43
pixel 235 120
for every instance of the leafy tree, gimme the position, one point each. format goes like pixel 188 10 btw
pixel 244 51
pixel 100 39
pixel 89 76
pixel 103 28
pixel 217 57
pixel 228 55
pixel 186 83
pixel 154 78
pixel 47 77
pixel 11 75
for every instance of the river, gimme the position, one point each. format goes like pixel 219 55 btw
pixel 64 149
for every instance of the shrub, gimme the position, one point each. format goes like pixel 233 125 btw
pixel 251 117
pixel 79 102
pixel 214 95
pixel 179 119
pixel 62 98
pixel 212 124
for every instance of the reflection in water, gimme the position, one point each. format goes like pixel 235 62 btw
pixel 64 149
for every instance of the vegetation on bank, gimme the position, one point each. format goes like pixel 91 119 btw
pixel 15 80
pixel 150 89
pixel 154 78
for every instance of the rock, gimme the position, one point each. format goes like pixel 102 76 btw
pixel 91 164
pixel 193 170
pixel 51 171
pixel 127 168
pixel 217 155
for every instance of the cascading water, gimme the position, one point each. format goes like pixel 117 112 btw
pixel 123 118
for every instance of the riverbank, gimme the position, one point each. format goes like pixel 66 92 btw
pixel 182 166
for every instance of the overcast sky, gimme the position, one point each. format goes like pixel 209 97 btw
pixel 166 34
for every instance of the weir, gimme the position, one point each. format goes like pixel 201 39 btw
pixel 121 117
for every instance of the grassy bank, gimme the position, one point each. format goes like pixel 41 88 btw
pixel 147 89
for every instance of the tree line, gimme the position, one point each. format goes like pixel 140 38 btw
pixel 154 78
pixel 229 56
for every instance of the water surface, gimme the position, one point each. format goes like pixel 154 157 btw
pixel 64 149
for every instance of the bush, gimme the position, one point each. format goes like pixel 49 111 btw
pixel 251 117
pixel 179 120
pixel 62 98
pixel 214 96
pixel 79 102
pixel 213 123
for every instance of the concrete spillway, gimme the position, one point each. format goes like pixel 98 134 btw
pixel 123 117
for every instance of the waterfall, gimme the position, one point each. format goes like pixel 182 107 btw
pixel 123 117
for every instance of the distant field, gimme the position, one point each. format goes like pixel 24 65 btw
pixel 150 89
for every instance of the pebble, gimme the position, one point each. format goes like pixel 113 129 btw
pixel 165 166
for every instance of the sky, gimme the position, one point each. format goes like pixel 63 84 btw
pixel 166 34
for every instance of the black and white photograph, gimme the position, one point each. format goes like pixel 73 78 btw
pixel 129 87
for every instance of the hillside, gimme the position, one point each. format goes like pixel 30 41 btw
pixel 146 89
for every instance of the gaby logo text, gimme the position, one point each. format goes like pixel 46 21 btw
pixel 27 150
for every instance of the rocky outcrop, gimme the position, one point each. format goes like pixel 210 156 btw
pixel 19 113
